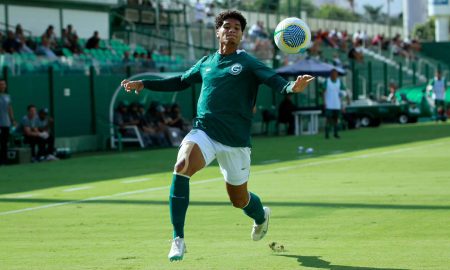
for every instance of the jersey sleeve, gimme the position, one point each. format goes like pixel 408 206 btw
pixel 269 77
pixel 193 74
pixel 177 83
pixel 171 84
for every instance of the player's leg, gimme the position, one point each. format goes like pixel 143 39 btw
pixel 328 120
pixel 189 161
pixel 235 166
pixel 335 123
pixel 195 153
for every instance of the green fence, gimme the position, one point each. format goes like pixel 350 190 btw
pixel 80 102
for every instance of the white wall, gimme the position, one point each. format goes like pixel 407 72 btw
pixel 86 22
pixel 35 19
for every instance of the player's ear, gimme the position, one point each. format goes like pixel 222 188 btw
pixel 217 33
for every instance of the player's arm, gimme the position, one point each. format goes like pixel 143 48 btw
pixel 269 77
pixel 172 84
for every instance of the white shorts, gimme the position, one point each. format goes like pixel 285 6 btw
pixel 234 162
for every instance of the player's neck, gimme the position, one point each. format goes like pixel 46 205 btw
pixel 226 49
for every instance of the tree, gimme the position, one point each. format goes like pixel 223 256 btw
pixel 374 13
pixel 334 12
pixel 425 31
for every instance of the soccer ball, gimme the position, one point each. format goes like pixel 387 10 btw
pixel 292 35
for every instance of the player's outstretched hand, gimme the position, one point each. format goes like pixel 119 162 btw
pixel 301 83
pixel 129 86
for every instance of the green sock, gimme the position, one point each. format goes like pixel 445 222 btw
pixel 254 209
pixel 178 202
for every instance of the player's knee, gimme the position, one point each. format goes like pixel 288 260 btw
pixel 239 202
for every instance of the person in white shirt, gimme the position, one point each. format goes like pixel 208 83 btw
pixel 333 89
pixel 438 86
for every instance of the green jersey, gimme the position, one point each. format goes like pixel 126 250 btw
pixel 228 94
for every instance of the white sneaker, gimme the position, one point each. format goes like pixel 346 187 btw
pixel 177 250
pixel 259 231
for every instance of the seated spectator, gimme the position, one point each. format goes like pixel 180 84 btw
pixel 19 32
pixel 156 117
pixel 50 36
pixel 285 115
pixel 257 30
pixel 11 45
pixel 45 125
pixel 23 46
pixel 355 52
pixel 93 42
pixel 28 127
pixel 45 50
pixel 177 120
pixel 199 12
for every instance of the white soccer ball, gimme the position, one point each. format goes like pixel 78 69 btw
pixel 292 35
pixel 310 150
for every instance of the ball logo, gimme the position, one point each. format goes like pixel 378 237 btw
pixel 236 69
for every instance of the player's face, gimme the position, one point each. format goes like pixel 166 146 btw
pixel 2 86
pixel 230 32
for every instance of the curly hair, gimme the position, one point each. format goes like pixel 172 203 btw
pixel 233 14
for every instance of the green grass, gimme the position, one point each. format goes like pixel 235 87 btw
pixel 376 199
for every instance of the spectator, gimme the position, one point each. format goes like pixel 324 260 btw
pixel 355 52
pixel 19 32
pixel 392 91
pixel 199 14
pixel 337 61
pixel 93 42
pixel 6 121
pixel 438 86
pixel 155 117
pixel 210 14
pixel 23 46
pixel 45 125
pixel 44 50
pixel 332 102
pixel 285 115
pixel 257 30
pixel 11 45
pixel 50 36
pixel 177 120
pixel 32 136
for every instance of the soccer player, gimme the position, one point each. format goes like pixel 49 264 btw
pixel 221 130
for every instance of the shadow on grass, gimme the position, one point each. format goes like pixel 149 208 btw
pixel 317 262
pixel 212 203
pixel 101 167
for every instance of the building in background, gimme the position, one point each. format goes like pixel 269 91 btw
pixel 440 9
pixel 414 12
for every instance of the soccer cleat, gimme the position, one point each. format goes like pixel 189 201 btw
pixel 177 250
pixel 259 231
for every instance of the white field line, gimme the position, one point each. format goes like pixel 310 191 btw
pixel 77 188
pixel 24 196
pixel 269 161
pixel 136 180
pixel 200 182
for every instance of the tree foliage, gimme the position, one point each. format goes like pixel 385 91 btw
pixel 373 13
pixel 425 31
pixel 334 12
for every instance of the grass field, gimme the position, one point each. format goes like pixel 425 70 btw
pixel 376 199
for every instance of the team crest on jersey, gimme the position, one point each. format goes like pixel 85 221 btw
pixel 236 69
